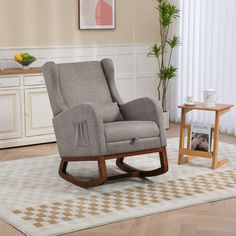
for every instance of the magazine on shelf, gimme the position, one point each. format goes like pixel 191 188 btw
pixel 201 137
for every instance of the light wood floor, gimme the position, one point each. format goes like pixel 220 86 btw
pixel 213 219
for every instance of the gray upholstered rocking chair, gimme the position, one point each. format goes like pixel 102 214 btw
pixel 92 123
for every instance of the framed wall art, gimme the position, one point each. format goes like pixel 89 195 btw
pixel 97 14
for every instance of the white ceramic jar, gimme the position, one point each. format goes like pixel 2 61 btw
pixel 209 97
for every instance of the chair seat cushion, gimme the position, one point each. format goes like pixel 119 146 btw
pixel 128 130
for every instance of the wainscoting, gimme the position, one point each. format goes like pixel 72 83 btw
pixel 135 72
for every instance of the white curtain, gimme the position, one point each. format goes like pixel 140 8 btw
pixel 206 57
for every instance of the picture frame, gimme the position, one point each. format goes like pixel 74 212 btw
pixel 97 14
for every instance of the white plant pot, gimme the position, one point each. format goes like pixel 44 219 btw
pixel 166 116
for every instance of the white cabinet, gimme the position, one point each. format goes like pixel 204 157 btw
pixel 10 118
pixel 25 112
pixel 38 112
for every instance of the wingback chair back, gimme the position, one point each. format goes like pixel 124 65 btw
pixel 78 83
pixel 92 123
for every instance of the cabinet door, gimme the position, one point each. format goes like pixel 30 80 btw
pixel 38 112
pixel 10 114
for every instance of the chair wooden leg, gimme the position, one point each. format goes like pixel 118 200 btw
pixel 142 173
pixel 130 171
pixel 84 184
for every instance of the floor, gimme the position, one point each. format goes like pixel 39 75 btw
pixel 213 219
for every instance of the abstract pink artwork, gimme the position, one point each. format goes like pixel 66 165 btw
pixel 97 14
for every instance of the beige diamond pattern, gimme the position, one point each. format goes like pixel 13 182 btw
pixel 130 198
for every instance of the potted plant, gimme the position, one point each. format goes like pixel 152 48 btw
pixel 163 51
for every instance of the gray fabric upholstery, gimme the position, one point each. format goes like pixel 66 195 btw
pixel 139 145
pixel 80 131
pixel 108 68
pixel 90 118
pixel 83 82
pixel 127 130
pixel 110 112
pixel 54 91
pixel 145 109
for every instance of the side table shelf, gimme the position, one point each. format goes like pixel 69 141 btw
pixel 186 154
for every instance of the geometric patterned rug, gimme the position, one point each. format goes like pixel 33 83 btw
pixel 35 200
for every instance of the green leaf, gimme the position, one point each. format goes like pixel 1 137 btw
pixel 174 41
pixel 168 73
pixel 167 12
pixel 155 50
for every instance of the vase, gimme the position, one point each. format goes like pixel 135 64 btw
pixel 166 116
pixel 25 67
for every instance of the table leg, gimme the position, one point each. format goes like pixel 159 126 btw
pixel 181 136
pixel 216 140
pixel 189 138
pixel 215 163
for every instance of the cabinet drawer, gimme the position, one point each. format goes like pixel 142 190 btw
pixel 9 82
pixel 34 80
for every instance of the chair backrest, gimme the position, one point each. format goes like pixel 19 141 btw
pixel 71 84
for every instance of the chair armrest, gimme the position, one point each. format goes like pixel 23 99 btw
pixel 145 109
pixel 80 131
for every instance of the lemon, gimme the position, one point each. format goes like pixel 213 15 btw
pixel 18 57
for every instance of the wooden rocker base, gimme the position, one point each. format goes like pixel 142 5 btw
pixel 131 171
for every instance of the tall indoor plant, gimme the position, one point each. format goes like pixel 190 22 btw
pixel 163 51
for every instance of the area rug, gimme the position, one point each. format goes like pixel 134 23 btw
pixel 35 200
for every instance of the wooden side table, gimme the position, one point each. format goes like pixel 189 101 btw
pixel 186 154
